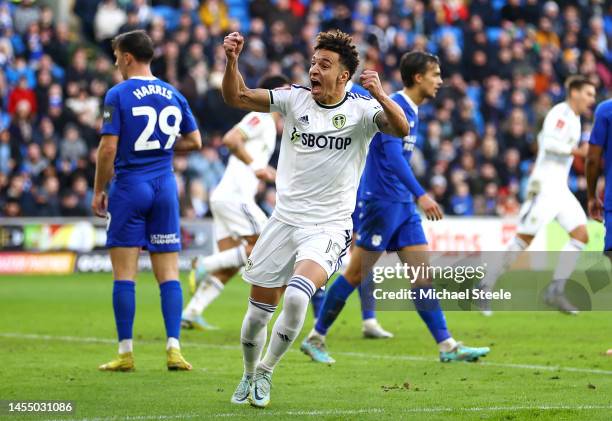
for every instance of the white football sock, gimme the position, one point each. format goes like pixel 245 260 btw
pixel 254 332
pixel 369 322
pixel 205 294
pixel 567 263
pixel 232 258
pixel 125 346
pixel 289 322
pixel 173 343
pixel 447 345
pixel 495 269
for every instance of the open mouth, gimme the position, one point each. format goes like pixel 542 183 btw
pixel 315 85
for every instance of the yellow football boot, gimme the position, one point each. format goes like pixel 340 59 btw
pixel 192 282
pixel 176 362
pixel 123 362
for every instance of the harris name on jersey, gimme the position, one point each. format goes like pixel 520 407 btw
pixel 145 90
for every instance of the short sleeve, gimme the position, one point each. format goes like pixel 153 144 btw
pixel 188 123
pixel 554 125
pixel 111 115
pixel 601 127
pixel 371 109
pixel 279 99
pixel 251 125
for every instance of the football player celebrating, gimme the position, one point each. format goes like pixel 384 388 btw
pixel 324 144
pixel 389 221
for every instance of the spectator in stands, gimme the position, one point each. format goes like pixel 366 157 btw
pixel 34 163
pixel 22 93
pixel 72 147
pixel 109 18
pixel 198 199
pixel 47 197
pixel 6 164
pixel 21 130
pixel 18 194
pixel 25 14
pixel 461 203
pixel 214 13
pixel 504 64
pixel 83 194
pixel 84 105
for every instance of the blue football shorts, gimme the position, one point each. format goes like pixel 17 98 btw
pixel 144 214
pixel 356 213
pixel 389 226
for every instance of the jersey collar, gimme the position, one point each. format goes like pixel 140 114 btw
pixel 144 77
pixel 410 102
pixel 329 107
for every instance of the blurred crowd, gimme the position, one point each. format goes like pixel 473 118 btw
pixel 503 62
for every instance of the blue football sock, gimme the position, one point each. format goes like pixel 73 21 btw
pixel 317 301
pixel 334 301
pixel 368 303
pixel 431 313
pixel 172 307
pixel 124 305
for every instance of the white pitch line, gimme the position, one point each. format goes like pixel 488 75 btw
pixel 346 354
pixel 492 364
pixel 337 412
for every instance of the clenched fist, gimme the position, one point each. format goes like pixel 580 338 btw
pixel 370 81
pixel 232 44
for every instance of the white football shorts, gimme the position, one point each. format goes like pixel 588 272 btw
pixel 237 219
pixel 542 208
pixel 280 246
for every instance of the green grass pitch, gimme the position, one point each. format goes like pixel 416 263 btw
pixel 55 331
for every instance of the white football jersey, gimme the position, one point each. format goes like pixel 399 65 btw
pixel 323 151
pixel 239 181
pixel 560 134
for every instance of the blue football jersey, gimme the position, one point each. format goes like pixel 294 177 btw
pixel 358 89
pixel 601 135
pixel 147 115
pixel 379 180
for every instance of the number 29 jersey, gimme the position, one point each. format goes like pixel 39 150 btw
pixel 147 115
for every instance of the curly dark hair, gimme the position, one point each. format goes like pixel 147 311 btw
pixel 341 43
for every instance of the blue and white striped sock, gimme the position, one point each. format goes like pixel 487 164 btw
pixel 254 333
pixel 289 323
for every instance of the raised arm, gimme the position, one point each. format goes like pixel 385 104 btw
pixel 235 92
pixel 392 119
